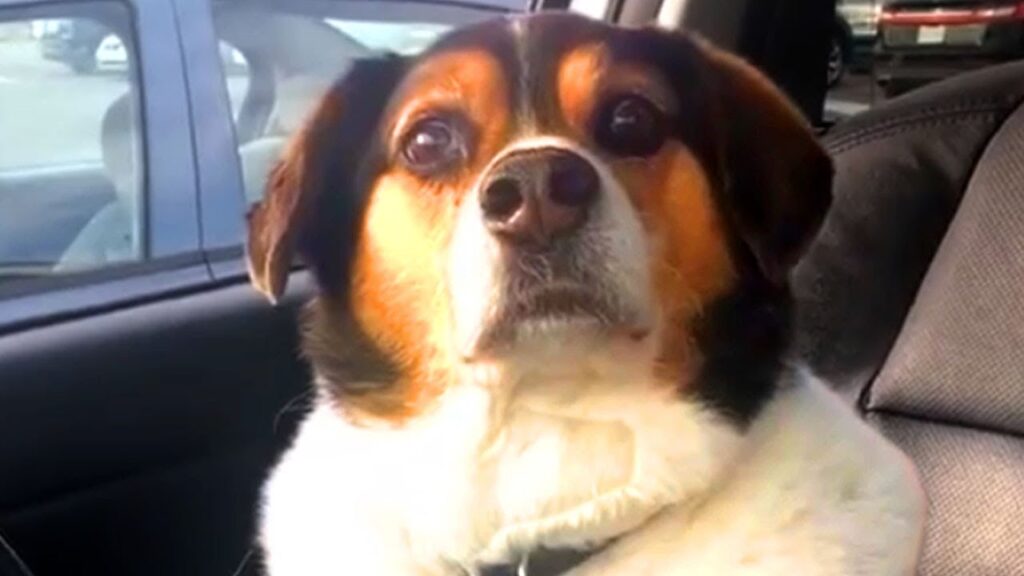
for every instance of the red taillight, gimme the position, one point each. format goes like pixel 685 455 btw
pixel 1000 13
pixel 952 17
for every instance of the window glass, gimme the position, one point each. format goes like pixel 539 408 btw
pixel 884 48
pixel 405 38
pixel 294 51
pixel 71 168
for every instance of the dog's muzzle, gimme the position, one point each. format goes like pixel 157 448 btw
pixel 550 250
pixel 533 199
pixel 536 204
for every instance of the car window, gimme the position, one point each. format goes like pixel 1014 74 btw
pixel 71 169
pixel 882 49
pixel 295 50
pixel 406 38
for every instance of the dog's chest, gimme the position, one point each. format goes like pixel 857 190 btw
pixel 561 477
pixel 544 464
pixel 548 478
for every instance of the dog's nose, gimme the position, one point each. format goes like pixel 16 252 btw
pixel 535 196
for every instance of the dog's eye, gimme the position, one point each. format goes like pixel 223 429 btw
pixel 431 146
pixel 630 126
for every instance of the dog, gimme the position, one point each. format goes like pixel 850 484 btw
pixel 553 317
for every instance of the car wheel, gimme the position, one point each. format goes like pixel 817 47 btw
pixel 83 65
pixel 836 61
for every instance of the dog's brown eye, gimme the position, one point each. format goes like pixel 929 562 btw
pixel 432 146
pixel 631 126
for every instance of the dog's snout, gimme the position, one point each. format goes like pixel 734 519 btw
pixel 533 197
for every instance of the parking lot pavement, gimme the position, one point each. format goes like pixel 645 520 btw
pixel 854 94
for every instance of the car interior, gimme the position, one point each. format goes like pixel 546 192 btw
pixel 136 437
pixel 112 235
pixel 285 78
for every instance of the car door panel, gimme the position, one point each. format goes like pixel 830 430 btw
pixel 141 405
pixel 143 434
pixel 190 518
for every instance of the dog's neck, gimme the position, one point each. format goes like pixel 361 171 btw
pixel 523 459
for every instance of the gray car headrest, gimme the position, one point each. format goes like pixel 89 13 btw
pixel 960 356
pixel 119 146
pixel 258 159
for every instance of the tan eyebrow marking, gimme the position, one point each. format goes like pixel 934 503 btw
pixel 589 72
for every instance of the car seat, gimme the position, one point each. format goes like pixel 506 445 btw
pixel 911 302
pixel 110 236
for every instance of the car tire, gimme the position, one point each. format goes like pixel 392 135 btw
pixel 83 65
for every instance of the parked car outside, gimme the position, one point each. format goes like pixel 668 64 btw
pixel 860 30
pixel 73 42
pixel 111 55
pixel 921 41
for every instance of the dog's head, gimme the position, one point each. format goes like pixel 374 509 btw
pixel 548 184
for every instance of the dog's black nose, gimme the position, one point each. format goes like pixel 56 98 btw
pixel 535 196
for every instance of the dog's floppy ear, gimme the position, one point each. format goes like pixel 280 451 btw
pixel 778 179
pixel 314 197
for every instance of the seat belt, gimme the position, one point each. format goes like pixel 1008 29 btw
pixel 10 563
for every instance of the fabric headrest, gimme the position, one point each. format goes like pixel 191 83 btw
pixel 959 358
pixel 118 142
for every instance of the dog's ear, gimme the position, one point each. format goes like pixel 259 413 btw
pixel 777 178
pixel 314 195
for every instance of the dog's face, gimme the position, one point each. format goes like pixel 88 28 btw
pixel 544 186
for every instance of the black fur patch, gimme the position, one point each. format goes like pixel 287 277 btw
pixel 341 159
pixel 744 337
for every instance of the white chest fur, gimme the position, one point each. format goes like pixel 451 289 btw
pixel 816 492
pixel 483 476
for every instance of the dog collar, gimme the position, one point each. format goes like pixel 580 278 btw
pixel 541 562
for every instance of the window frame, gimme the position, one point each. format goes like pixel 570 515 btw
pixel 219 174
pixel 170 208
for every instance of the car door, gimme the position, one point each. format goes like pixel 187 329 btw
pixel 139 396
